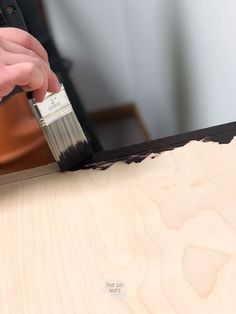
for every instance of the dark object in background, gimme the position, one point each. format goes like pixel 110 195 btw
pixel 33 13
pixel 125 124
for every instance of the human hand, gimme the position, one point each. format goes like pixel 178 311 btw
pixel 24 62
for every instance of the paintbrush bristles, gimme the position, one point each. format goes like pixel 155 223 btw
pixel 64 133
pixel 62 130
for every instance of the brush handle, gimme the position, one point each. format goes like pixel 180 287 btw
pixel 16 90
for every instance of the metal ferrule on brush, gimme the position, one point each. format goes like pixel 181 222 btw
pixel 62 130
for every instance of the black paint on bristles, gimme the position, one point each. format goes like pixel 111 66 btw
pixel 74 156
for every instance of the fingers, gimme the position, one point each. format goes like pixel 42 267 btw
pixel 23 39
pixel 11 47
pixel 22 74
pixel 50 81
pixel 21 52
pixel 53 84
pixel 9 58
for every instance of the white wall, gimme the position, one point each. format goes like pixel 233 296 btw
pixel 175 58
pixel 209 37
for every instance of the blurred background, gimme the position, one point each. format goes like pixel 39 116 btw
pixel 174 60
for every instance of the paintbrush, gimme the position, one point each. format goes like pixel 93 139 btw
pixel 55 114
pixel 61 129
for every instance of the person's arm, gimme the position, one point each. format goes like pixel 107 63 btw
pixel 24 62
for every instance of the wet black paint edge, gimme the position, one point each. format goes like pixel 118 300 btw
pixel 222 134
pixel 74 155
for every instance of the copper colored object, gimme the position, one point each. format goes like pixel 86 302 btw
pixel 22 144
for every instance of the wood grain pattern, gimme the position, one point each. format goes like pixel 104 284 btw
pixel 148 238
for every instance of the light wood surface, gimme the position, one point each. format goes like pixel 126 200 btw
pixel 148 238
pixel 27 174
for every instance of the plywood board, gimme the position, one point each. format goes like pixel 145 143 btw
pixel 148 238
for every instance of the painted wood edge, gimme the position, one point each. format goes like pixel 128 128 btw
pixel 24 175
pixel 223 134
